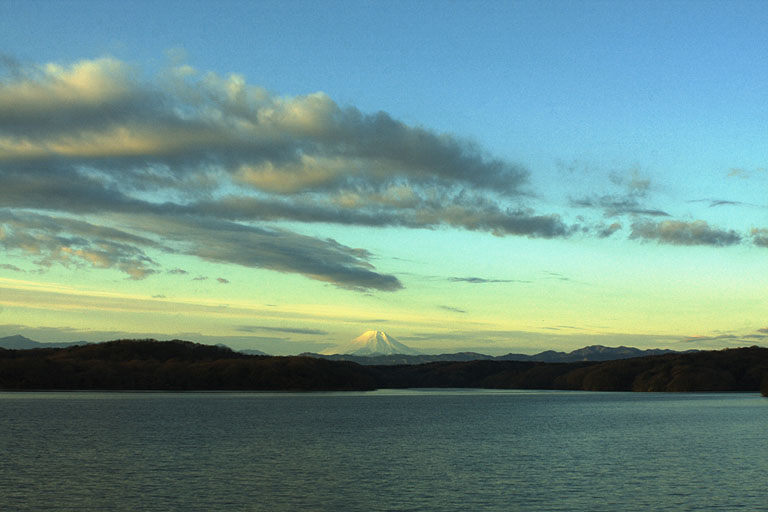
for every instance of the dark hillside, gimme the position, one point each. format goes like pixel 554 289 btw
pixel 170 365
pixel 181 365
pixel 741 369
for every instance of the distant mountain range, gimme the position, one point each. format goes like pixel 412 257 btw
pixel 379 348
pixel 591 353
pixel 19 342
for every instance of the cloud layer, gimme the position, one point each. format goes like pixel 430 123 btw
pixel 197 164
pixel 103 166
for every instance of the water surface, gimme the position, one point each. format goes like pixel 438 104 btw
pixel 383 450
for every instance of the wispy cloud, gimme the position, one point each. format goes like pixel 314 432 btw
pixel 481 280
pixel 719 337
pixel 452 309
pixel 68 241
pixel 630 201
pixel 290 330
pixel 684 233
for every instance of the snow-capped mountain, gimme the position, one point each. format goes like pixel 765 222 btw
pixel 372 343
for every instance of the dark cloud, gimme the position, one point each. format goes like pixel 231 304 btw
pixel 684 233
pixel 473 213
pixel 69 241
pixel 177 271
pixel 556 275
pixel 275 249
pixel 222 280
pixel 759 237
pixel 763 330
pixel 480 280
pixel 630 201
pixel 714 203
pixel 613 206
pixel 717 202
pixel 8 266
pixel 290 330
pixel 606 231
pixel 200 278
pixel 452 309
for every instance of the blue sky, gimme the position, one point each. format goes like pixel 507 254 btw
pixel 494 176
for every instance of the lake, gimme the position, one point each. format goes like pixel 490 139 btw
pixel 385 450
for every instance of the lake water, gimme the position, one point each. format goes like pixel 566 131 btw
pixel 385 450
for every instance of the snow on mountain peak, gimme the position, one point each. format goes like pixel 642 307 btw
pixel 372 343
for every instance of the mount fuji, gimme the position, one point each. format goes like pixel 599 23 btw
pixel 372 343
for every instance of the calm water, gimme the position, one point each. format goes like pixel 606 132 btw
pixel 386 450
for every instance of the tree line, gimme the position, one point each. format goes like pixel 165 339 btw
pixel 181 365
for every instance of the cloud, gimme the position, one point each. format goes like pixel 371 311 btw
pixel 480 280
pixel 628 202
pixel 69 241
pixel 720 337
pixel 98 113
pixel 555 275
pixel 738 173
pixel 222 280
pixel 8 266
pixel 107 167
pixel 714 203
pixel 684 233
pixel 99 138
pixel 745 173
pixel 290 330
pixel 452 309
pixel 606 231
pixel 759 237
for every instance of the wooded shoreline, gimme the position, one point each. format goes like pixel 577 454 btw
pixel 184 366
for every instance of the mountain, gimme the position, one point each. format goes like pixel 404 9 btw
pixel 372 343
pixel 253 352
pixel 395 359
pixel 19 342
pixel 591 353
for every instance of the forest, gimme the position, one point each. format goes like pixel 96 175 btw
pixel 184 366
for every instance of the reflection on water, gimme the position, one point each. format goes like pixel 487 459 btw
pixel 384 450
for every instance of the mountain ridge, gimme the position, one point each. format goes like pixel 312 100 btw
pixel 19 342
pixel 588 353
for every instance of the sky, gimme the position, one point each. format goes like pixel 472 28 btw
pixel 495 177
